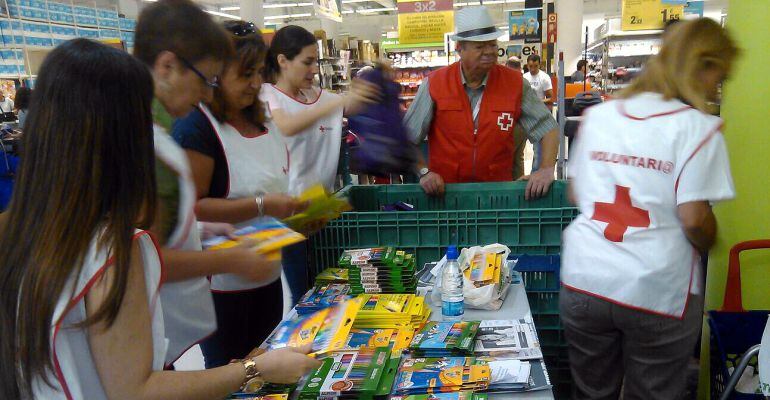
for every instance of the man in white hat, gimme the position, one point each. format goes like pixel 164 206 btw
pixel 469 109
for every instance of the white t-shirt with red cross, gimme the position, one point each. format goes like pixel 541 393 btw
pixel 633 162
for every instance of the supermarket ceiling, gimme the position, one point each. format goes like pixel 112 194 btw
pixel 285 11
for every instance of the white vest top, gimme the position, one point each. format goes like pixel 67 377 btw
pixel 255 165
pixel 633 162
pixel 315 152
pixel 75 376
pixel 188 307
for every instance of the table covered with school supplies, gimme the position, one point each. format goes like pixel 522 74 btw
pixel 379 340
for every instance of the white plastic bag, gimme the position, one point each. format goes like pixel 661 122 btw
pixel 488 297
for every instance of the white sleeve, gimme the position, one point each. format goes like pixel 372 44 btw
pixel 547 84
pixel 577 152
pixel 706 175
pixel 270 97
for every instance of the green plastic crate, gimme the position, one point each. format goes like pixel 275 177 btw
pixel 468 215
pixel 463 196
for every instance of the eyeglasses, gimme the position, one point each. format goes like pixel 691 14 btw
pixel 213 83
pixel 240 28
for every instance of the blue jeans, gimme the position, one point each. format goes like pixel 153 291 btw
pixel 295 269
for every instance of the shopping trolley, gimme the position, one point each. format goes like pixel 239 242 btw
pixel 735 333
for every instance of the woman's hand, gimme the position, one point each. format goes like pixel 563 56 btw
pixel 285 365
pixel 244 261
pixel 282 206
pixel 214 229
pixel 362 93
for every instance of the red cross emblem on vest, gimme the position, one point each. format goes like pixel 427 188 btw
pixel 323 129
pixel 505 121
pixel 620 215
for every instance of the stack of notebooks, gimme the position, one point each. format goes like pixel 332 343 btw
pixel 332 275
pixel 445 339
pixel 515 339
pixel 478 374
pixel 393 311
pixel 364 374
pixel 485 269
pixel 269 234
pixel 326 330
pixel 464 395
pixel 441 374
pixel 269 391
pixel 321 297
pixel 510 375
pixel 380 270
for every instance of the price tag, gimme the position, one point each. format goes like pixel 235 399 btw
pixel 648 14
pixel 424 21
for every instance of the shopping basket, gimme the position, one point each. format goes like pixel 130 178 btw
pixel 734 330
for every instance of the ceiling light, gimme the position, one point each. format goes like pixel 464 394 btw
pixel 234 8
pixel 348 11
pixel 288 16
pixel 280 5
pixel 376 10
pixel 220 14
pixel 460 4
pixel 354 1
pixel 494 2
pixel 304 4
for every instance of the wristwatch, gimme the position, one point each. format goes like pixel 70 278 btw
pixel 253 382
pixel 423 171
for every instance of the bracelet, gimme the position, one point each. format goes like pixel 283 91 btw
pixel 260 205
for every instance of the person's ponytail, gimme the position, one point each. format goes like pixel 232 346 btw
pixel 289 41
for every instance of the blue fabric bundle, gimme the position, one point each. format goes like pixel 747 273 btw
pixel 382 145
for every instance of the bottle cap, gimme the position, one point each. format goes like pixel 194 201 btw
pixel 452 253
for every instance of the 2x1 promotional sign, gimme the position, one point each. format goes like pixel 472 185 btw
pixel 648 14
pixel 526 25
pixel 423 21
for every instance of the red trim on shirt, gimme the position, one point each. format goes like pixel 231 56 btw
pixel 300 102
pixel 623 112
pixel 697 149
pixel 74 301
pixel 635 308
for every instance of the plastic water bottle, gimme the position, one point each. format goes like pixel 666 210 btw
pixel 452 299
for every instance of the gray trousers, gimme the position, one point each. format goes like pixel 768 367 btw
pixel 614 348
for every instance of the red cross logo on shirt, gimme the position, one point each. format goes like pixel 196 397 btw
pixel 620 215
pixel 323 129
pixel 505 121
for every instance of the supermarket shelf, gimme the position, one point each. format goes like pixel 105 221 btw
pixel 612 70
pixel 618 86
pixel 433 65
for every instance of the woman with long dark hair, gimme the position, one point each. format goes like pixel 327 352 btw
pixel 311 121
pixel 238 160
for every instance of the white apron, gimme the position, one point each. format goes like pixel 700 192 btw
pixel 633 163
pixel 255 165
pixel 188 307
pixel 315 152
pixel 75 376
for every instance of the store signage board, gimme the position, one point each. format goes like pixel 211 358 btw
pixel 551 36
pixel 329 9
pixel 424 21
pixel 639 15
pixel 525 25
pixel 693 9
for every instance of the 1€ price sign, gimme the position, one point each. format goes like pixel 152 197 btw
pixel 648 14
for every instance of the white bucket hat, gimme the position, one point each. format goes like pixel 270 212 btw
pixel 473 24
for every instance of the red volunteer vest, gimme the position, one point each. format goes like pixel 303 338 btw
pixel 455 152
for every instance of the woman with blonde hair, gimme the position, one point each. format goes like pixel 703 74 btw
pixel 645 170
